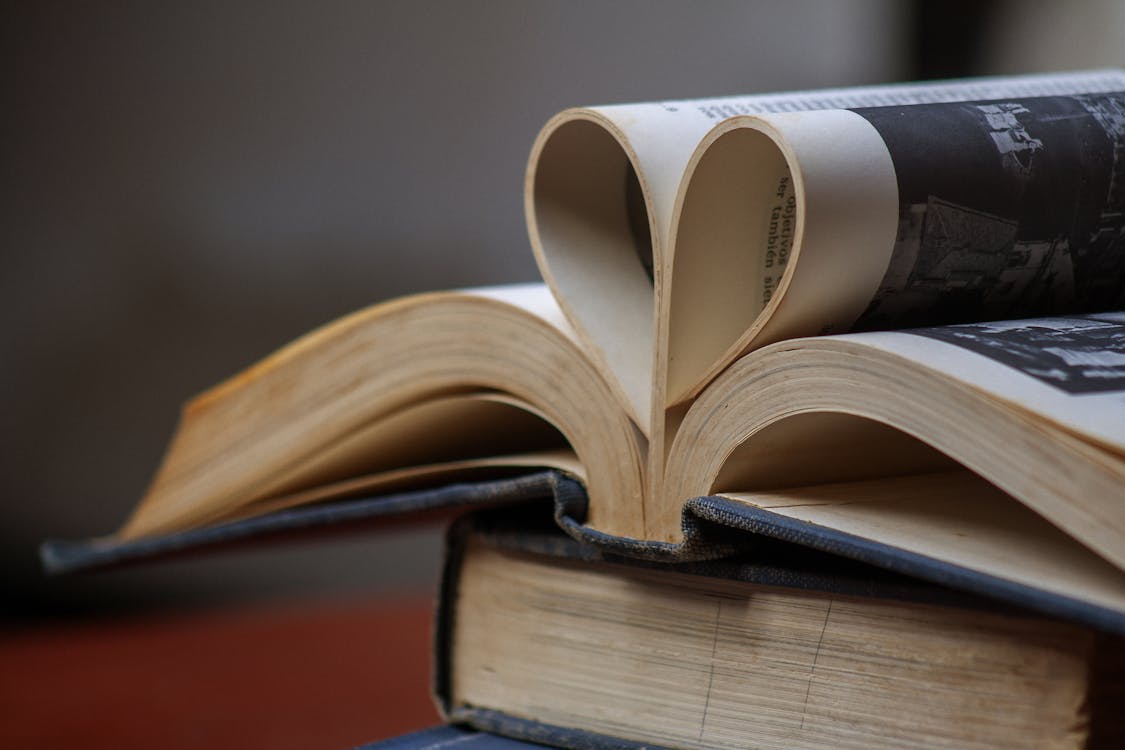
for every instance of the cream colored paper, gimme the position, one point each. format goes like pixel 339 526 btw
pixel 578 218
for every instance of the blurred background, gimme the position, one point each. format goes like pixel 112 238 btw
pixel 188 186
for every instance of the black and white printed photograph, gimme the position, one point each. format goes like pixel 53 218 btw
pixel 1078 354
pixel 1006 209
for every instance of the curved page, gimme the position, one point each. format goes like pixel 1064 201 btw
pixel 894 217
pixel 383 378
pixel 1036 409
pixel 602 184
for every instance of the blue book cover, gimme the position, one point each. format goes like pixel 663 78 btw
pixel 530 737
pixel 714 527
pixel 466 738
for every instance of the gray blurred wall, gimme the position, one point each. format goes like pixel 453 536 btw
pixel 187 186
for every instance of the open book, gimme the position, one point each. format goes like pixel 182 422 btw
pixel 694 255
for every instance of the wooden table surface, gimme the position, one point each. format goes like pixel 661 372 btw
pixel 314 675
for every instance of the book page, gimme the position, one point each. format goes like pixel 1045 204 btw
pixel 960 519
pixel 1007 209
pixel 1069 370
pixel 1035 407
pixel 420 434
pixel 973 211
pixel 784 228
pixel 602 183
pixel 403 380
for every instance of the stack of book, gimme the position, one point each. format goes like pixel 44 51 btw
pixel 813 437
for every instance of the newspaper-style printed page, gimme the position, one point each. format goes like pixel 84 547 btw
pixel 895 217
pixel 1007 208
pixel 1069 369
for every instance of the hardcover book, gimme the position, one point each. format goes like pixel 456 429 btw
pixel 442 737
pixel 543 639
pixel 892 315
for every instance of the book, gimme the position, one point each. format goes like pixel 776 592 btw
pixel 543 639
pixel 693 263
pixel 441 737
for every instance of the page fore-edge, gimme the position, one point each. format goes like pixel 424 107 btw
pixel 770 565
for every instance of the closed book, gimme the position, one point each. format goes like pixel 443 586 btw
pixel 546 640
pixel 447 737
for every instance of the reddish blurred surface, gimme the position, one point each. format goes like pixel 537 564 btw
pixel 326 675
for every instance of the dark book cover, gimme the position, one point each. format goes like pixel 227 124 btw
pixel 715 529
pixel 466 738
